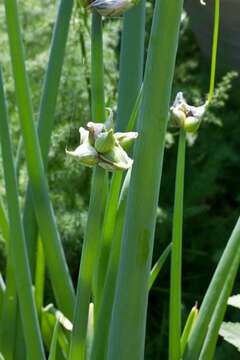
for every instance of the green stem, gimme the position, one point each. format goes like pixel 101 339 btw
pixel 39 277
pixel 102 328
pixel 4 226
pixel 17 242
pixel 8 312
pixel 127 332
pixel 46 113
pixel 158 266
pixel 131 62
pixel 96 207
pixel 107 234
pixel 214 50
pixel 97 80
pixel 176 258
pixel 60 277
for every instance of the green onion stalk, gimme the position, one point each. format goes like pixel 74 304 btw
pixel 127 332
pixel 59 273
pixel 96 207
pixel 17 245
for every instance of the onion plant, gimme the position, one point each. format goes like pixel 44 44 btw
pixel 106 318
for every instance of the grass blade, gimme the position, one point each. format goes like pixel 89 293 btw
pixel 130 304
pixel 60 277
pixel 176 258
pixel 17 242
pixel 158 266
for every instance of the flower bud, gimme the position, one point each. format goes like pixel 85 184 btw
pixel 105 142
pixel 125 139
pixel 86 154
pixel 116 159
pixel 178 117
pixel 191 124
pixel 94 130
pixel 186 116
pixel 84 134
pixel 112 7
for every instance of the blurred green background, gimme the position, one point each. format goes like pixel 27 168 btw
pixel 212 196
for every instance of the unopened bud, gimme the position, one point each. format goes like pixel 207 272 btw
pixel 186 116
pixel 126 139
pixel 116 159
pixel 105 142
pixel 94 130
pixel 86 154
pixel 191 124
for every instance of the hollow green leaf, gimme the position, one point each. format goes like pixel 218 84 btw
pixel 127 332
pixel 60 277
pixel 78 346
pixel 17 245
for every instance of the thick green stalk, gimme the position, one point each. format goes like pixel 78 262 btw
pixel 101 333
pixel 60 277
pixel 88 261
pixel 107 235
pixel 176 258
pixel 130 305
pixel 210 341
pixel 46 113
pixel 17 242
pixel 131 62
pixel 212 296
pixel 158 266
pixel 96 207
pixel 214 50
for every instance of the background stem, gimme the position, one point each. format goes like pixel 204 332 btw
pixel 176 258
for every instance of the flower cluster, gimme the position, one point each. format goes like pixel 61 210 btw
pixel 100 146
pixel 186 116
